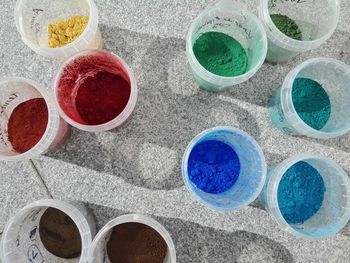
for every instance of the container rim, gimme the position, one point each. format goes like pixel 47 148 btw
pixel 52 122
pixel 92 25
pixel 272 188
pixel 118 120
pixel 188 150
pixel 69 209
pixel 238 8
pixel 303 128
pixel 134 218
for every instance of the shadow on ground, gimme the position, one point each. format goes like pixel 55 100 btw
pixel 197 244
pixel 170 111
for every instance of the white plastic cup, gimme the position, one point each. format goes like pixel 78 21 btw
pixel 98 250
pixel 334 76
pixel 21 240
pixel 14 91
pixel 335 210
pixel 122 118
pixel 317 21
pixel 32 18
pixel 252 174
pixel 234 20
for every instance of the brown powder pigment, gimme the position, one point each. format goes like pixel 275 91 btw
pixel 27 124
pixel 136 243
pixel 59 234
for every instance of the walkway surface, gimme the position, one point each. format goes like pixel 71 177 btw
pixel 137 168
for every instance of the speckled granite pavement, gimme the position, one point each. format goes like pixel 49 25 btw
pixel 137 168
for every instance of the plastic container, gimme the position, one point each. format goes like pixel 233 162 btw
pixel 234 20
pixel 69 112
pixel 21 240
pixel 252 174
pixel 334 76
pixel 335 210
pixel 32 18
pixel 317 21
pixel 98 251
pixel 14 91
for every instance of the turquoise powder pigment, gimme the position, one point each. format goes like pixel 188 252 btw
pixel 300 193
pixel 311 102
pixel 213 166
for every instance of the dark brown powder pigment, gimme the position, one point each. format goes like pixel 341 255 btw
pixel 59 234
pixel 136 243
pixel 27 124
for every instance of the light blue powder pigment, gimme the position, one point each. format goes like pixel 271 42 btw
pixel 311 102
pixel 213 166
pixel 300 193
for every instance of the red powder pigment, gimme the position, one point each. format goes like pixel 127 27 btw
pixel 94 88
pixel 27 124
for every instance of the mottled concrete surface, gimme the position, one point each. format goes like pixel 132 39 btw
pixel 137 168
pixel 20 185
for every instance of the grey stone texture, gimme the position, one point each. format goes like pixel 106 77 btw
pixel 137 167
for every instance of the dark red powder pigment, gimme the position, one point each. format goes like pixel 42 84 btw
pixel 94 88
pixel 27 124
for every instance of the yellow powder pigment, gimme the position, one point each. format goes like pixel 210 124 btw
pixel 64 32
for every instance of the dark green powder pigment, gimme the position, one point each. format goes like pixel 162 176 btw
pixel 287 26
pixel 311 102
pixel 221 54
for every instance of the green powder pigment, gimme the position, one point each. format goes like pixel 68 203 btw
pixel 311 102
pixel 287 26
pixel 221 54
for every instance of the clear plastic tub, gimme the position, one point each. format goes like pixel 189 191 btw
pixel 334 76
pixel 252 174
pixel 335 210
pixel 73 116
pixel 32 18
pixel 21 240
pixel 234 20
pixel 317 21
pixel 14 91
pixel 98 251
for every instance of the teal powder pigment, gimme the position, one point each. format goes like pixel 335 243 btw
pixel 311 102
pixel 221 54
pixel 300 193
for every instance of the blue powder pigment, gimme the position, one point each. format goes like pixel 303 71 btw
pixel 213 166
pixel 300 193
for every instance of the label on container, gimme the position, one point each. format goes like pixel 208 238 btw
pixel 5 108
pixel 277 115
pixel 273 3
pixel 222 21
pixel 34 23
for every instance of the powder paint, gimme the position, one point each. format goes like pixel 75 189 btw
pixel 311 102
pixel 59 234
pixel 287 26
pixel 136 243
pixel 27 124
pixel 94 89
pixel 221 54
pixel 63 32
pixel 102 97
pixel 213 166
pixel 300 193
